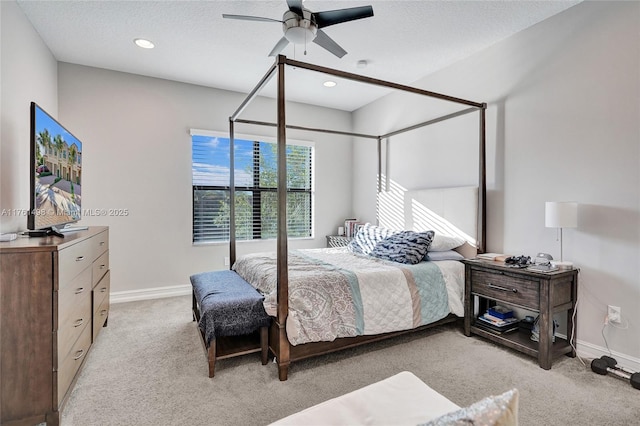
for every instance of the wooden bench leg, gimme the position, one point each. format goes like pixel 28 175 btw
pixel 264 344
pixel 211 352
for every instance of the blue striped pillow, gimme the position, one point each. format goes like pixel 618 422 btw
pixel 404 247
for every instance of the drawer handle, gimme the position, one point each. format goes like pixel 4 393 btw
pixel 103 290
pixel 102 312
pixel 78 322
pixel 79 258
pixel 79 354
pixel 101 243
pixel 102 266
pixel 497 287
pixel 79 290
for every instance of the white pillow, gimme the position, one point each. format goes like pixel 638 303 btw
pixel 445 242
pixel 501 410
pixel 444 255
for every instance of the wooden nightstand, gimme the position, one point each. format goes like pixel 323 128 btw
pixel 337 240
pixel 546 293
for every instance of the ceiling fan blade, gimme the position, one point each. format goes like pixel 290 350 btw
pixel 279 46
pixel 323 40
pixel 332 17
pixel 295 6
pixel 250 18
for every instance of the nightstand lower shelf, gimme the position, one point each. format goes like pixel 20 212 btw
pixel 521 341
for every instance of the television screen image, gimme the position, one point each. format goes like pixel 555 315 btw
pixel 56 173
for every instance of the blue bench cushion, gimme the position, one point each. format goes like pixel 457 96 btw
pixel 229 306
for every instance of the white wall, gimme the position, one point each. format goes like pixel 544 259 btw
pixel 28 73
pixel 562 125
pixel 137 156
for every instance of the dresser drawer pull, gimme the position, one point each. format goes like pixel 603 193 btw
pixel 79 258
pixel 102 312
pixel 103 290
pixel 101 243
pixel 78 322
pixel 497 287
pixel 79 290
pixel 102 266
pixel 79 354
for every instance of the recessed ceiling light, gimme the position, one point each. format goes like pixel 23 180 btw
pixel 145 44
pixel 329 83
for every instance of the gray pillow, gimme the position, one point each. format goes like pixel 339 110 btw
pixel 404 247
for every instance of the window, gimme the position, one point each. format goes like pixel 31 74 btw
pixel 255 180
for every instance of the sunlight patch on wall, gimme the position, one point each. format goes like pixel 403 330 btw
pixel 447 211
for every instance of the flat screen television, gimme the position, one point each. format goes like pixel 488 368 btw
pixel 56 174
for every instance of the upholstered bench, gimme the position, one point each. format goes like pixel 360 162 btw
pixel 230 316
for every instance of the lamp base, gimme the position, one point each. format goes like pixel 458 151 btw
pixel 563 266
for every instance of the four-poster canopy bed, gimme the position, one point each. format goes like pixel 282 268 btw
pixel 279 342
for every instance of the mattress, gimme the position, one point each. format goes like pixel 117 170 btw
pixel 334 293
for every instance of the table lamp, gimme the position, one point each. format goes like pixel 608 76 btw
pixel 561 215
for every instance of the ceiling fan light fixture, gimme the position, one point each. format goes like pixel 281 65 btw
pixel 300 35
pixel 299 29
pixel 144 43
pixel 329 83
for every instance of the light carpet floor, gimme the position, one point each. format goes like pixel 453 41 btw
pixel 148 367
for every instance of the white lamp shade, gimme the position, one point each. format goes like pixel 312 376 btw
pixel 561 214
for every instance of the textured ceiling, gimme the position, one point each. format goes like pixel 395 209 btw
pixel 403 41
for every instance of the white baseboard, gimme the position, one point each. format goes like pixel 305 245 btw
pixel 149 293
pixel 586 350
pixel 591 351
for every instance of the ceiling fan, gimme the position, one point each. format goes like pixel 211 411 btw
pixel 301 26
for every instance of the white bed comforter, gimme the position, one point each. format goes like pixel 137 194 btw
pixel 334 293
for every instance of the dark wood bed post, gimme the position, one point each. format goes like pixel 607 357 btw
pixel 232 197
pixel 482 182
pixel 283 261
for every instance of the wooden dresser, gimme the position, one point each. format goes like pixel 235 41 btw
pixel 54 300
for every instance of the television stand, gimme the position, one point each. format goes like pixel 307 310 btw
pixel 44 233
pixel 72 228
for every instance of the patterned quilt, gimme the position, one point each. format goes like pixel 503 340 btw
pixel 334 293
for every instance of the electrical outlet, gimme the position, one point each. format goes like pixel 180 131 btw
pixel 614 313
pixel 226 261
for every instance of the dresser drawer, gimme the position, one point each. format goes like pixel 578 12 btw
pixel 70 364
pixel 72 323
pixel 100 267
pixel 73 260
pixel 72 295
pixel 519 291
pixel 101 291
pixel 99 244
pixel 101 303
pixel 100 316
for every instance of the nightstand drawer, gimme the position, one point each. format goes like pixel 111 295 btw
pixel 519 291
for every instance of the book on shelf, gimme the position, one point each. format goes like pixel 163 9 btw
pixel 500 312
pixel 495 257
pixel 496 330
pixel 498 322
pixel 351 227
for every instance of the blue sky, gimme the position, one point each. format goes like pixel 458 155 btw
pixel 44 121
pixel 210 158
